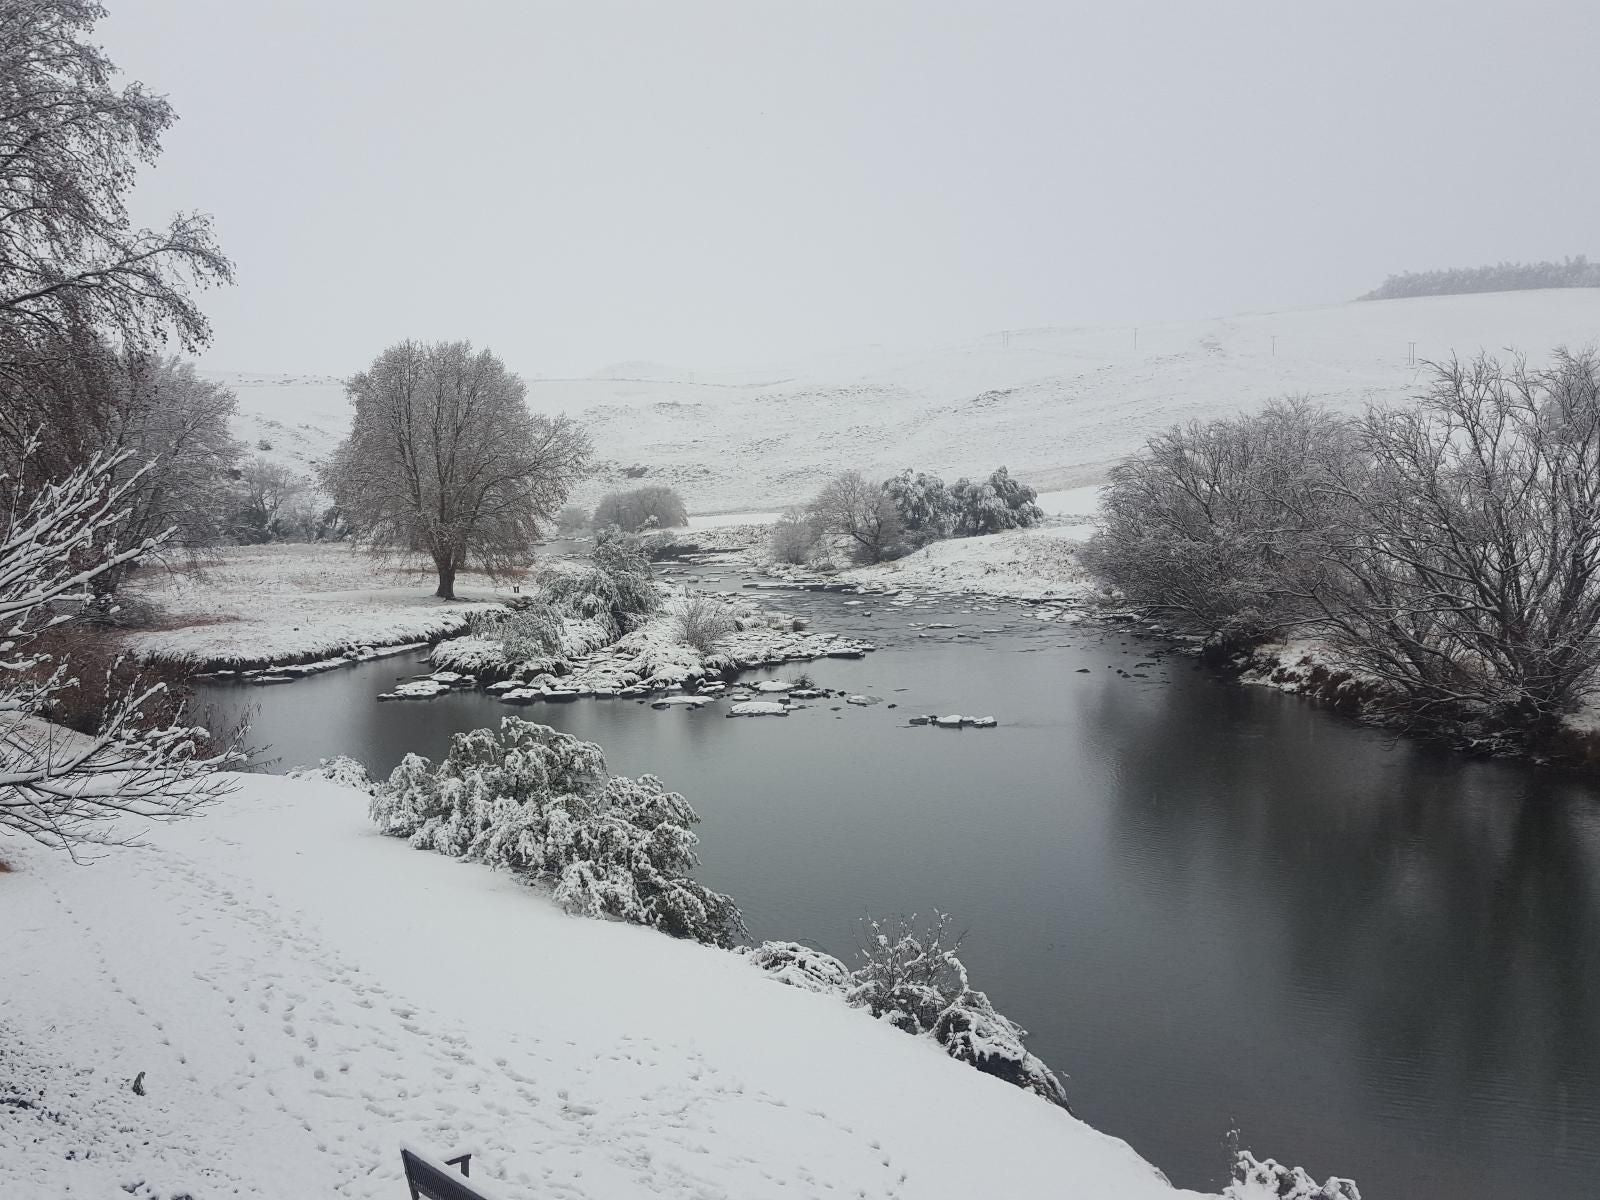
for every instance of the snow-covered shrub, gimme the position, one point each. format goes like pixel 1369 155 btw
pixel 701 621
pixel 998 503
pixel 793 538
pixel 972 1031
pixel 572 520
pixel 615 588
pixel 341 769
pixel 915 981
pixel 926 507
pixel 542 804
pixel 531 633
pixel 1264 1179
pixel 802 967
pixel 653 507
pixel 908 977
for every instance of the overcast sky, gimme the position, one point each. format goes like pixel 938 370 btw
pixel 579 184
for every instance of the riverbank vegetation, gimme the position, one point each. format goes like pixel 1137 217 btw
pixel 1447 552
pixel 881 521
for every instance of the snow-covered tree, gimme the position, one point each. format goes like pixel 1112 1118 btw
pixel 653 507
pixel 71 145
pixel 854 507
pixel 542 804
pixel 615 588
pixel 997 504
pixel 63 789
pixel 445 458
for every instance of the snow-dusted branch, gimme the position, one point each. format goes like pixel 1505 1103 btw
pixel 64 789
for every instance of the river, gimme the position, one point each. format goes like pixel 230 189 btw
pixel 1213 906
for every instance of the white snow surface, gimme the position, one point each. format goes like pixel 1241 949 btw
pixel 304 995
pixel 1056 405
pixel 288 603
pixel 1026 564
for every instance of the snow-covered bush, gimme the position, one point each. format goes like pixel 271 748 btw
pixel 615 588
pixel 926 507
pixel 531 633
pixel 1264 1179
pixel 702 621
pixel 800 966
pixel 654 507
pixel 794 536
pixel 929 510
pixel 915 981
pixel 998 503
pixel 542 804
pixel 341 769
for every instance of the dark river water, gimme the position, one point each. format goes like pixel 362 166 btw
pixel 1213 906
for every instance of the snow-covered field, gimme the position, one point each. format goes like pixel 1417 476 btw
pixel 1057 406
pixel 294 603
pixel 301 995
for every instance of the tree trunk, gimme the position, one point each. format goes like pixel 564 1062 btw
pixel 447 578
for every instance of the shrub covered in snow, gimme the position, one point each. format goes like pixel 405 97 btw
pixel 1259 1179
pixel 615 588
pixel 915 981
pixel 800 966
pixel 793 537
pixel 702 621
pixel 929 510
pixel 341 769
pixel 531 633
pixel 654 507
pixel 542 804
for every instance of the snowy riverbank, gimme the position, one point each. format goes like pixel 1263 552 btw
pixel 303 994
pixel 258 606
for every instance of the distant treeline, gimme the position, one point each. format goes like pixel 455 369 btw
pixel 1502 277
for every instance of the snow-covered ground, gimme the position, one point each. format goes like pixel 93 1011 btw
pixel 293 603
pixel 1026 564
pixel 301 995
pixel 1057 406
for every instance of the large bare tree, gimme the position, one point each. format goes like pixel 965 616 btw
pixel 444 458
pixel 71 144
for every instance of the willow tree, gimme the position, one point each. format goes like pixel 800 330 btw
pixel 445 458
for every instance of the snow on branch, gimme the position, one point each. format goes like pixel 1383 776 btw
pixel 63 789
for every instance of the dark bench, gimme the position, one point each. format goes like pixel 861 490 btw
pixel 429 1179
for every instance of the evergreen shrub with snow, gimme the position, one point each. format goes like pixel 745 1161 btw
pixel 930 511
pixel 542 804
pixel 532 633
pixel 616 588
pixel 915 981
pixel 341 769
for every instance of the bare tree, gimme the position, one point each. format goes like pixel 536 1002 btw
pixel 1468 578
pixel 62 789
pixel 444 458
pixel 854 507
pixel 268 498
pixel 1221 524
pixel 71 144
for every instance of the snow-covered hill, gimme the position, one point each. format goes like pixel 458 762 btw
pixel 1057 406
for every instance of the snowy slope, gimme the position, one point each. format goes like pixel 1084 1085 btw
pixel 300 418
pixel 1055 405
pixel 302 995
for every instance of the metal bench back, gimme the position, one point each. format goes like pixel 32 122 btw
pixel 430 1182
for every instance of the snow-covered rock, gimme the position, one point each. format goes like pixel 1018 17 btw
pixel 759 708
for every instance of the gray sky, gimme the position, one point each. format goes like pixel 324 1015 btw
pixel 577 184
